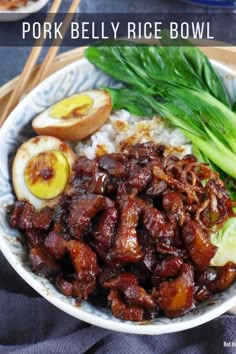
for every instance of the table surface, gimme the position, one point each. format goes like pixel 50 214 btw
pixel 12 59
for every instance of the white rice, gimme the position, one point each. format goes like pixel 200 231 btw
pixel 122 128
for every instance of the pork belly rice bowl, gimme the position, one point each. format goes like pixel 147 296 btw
pixel 131 231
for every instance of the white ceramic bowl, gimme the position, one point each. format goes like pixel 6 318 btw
pixel 23 11
pixel 81 76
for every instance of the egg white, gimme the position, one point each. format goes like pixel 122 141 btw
pixel 44 118
pixel 73 129
pixel 27 150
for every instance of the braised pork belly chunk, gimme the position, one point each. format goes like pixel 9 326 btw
pixel 132 228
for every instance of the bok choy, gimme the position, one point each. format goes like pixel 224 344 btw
pixel 225 240
pixel 179 84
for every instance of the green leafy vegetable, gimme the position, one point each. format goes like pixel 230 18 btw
pixel 219 149
pixel 179 84
pixel 234 107
pixel 146 67
pixel 225 240
pixel 201 67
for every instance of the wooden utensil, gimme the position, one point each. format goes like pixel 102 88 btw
pixel 26 74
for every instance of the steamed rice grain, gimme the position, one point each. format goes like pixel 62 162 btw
pixel 122 128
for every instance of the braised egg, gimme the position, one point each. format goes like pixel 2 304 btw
pixel 41 170
pixel 75 117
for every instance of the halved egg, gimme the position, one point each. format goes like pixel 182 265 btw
pixel 41 170
pixel 75 117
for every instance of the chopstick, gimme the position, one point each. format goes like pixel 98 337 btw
pixel 33 57
pixel 29 66
pixel 42 72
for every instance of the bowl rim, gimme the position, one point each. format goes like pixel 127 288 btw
pixel 94 319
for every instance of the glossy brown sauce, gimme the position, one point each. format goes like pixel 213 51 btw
pixel 132 232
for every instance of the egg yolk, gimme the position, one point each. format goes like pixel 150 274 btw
pixel 47 174
pixel 72 107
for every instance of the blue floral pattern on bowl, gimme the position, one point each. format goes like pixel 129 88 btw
pixel 78 77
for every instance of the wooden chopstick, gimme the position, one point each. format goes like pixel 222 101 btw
pixel 29 66
pixel 43 70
